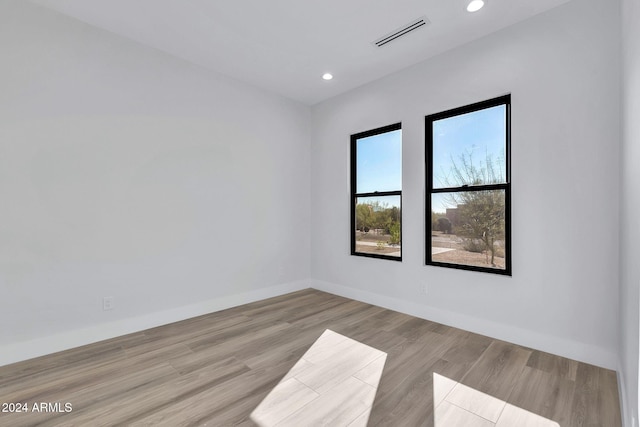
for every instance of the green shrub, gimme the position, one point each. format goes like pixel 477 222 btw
pixel 394 231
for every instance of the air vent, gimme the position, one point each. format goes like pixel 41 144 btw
pixel 402 31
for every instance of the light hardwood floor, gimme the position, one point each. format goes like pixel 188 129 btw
pixel 216 369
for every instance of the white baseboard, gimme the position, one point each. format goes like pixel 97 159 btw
pixel 550 344
pixel 19 351
pixel 629 416
pixel 622 392
pixel 15 352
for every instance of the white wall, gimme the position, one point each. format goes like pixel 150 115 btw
pixel 125 172
pixel 562 69
pixel 630 212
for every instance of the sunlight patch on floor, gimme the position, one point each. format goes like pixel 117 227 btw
pixel 459 405
pixel 334 383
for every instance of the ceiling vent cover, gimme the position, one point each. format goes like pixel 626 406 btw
pixel 402 31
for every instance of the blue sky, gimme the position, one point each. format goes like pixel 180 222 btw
pixel 379 166
pixel 478 134
pixel 475 134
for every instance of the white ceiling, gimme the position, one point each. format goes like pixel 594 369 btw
pixel 285 46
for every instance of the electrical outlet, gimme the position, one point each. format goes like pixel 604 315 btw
pixel 425 289
pixel 108 303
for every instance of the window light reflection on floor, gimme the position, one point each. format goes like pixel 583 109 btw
pixel 334 383
pixel 459 405
pixel 336 380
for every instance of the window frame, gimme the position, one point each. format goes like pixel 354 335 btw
pixel 355 195
pixel 506 186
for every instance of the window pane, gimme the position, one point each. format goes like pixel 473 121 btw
pixel 470 149
pixel 378 222
pixel 379 162
pixel 468 228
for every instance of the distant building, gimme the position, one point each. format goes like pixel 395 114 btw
pixel 453 216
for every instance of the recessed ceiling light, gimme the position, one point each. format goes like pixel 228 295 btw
pixel 327 76
pixel 475 5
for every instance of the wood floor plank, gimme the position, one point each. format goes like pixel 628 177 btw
pixel 608 400
pixel 544 393
pixel 291 347
pixel 215 370
pixel 467 348
pixel 484 405
pixel 332 314
pixel 238 335
pixel 390 319
pixel 498 369
pixel 83 356
pixel 414 328
pixel 341 407
pixel 102 398
pixel 211 400
pixel 134 404
pixel 185 330
pixel 78 381
pixel 410 403
pixel 515 416
pixel 451 415
pixel 407 381
pixel 556 365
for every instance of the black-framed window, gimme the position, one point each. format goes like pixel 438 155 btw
pixel 376 193
pixel 469 187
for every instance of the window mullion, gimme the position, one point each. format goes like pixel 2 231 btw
pixel 486 187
